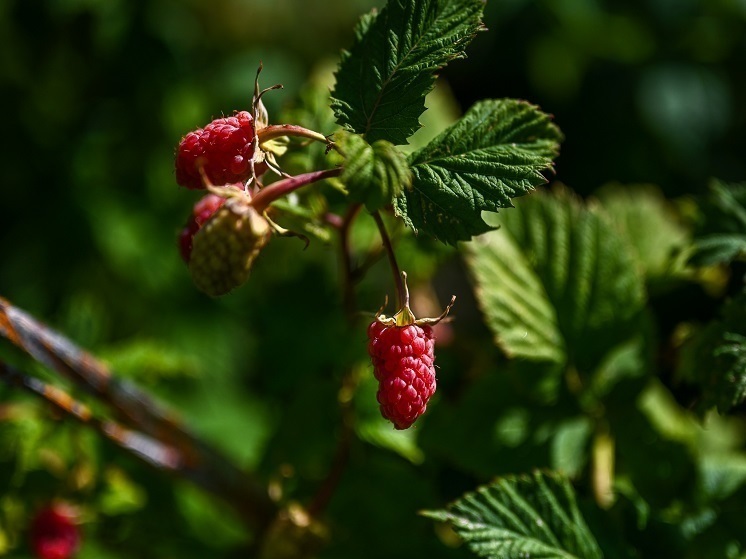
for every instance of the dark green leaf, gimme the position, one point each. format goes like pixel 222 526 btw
pixel 384 78
pixel 496 152
pixel 716 358
pixel 556 282
pixel 716 249
pixel 721 232
pixel 525 516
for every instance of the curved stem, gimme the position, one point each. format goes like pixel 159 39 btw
pixel 278 130
pixel 401 294
pixel 276 190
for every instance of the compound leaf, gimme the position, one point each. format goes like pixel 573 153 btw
pixel 556 282
pixel 383 79
pixel 522 516
pixel 497 151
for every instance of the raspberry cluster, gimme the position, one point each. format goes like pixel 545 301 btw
pixel 404 364
pixel 223 149
pixel 54 533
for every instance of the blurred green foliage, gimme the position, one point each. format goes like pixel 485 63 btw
pixel 96 95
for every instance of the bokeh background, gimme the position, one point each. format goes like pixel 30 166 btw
pixel 96 95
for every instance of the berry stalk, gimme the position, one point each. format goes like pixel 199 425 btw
pixel 276 190
pixel 401 292
pixel 279 130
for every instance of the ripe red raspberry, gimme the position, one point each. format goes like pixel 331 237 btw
pixel 202 211
pixel 224 149
pixel 54 533
pixel 402 350
pixel 403 363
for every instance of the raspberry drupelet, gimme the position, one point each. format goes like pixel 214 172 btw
pixel 402 350
pixel 224 149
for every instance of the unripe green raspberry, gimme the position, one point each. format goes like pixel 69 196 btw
pixel 226 246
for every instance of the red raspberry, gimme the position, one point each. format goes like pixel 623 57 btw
pixel 402 349
pixel 54 533
pixel 202 211
pixel 403 363
pixel 224 148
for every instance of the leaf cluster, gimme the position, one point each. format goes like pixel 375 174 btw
pixel 498 150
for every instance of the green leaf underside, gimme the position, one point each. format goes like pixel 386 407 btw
pixel 496 152
pixel 522 516
pixel 383 79
pixel 721 233
pixel 556 283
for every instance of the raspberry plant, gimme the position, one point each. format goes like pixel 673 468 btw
pixel 614 429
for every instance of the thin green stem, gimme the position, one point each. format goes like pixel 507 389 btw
pixel 401 294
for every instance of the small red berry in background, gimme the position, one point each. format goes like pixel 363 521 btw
pixel 223 149
pixel 402 350
pixel 54 532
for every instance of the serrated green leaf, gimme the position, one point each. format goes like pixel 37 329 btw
pixel 650 225
pixel 556 283
pixel 522 516
pixel 383 79
pixel 721 232
pixel 374 174
pixel 715 358
pixel 496 152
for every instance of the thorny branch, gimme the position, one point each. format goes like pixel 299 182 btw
pixel 198 461
pixel 143 446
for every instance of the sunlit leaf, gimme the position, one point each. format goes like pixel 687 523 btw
pixel 383 79
pixel 496 152
pixel 555 282
pixel 525 516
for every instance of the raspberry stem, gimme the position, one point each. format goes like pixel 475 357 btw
pixel 402 294
pixel 276 190
pixel 278 130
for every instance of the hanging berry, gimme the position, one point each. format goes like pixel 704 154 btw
pixel 402 350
